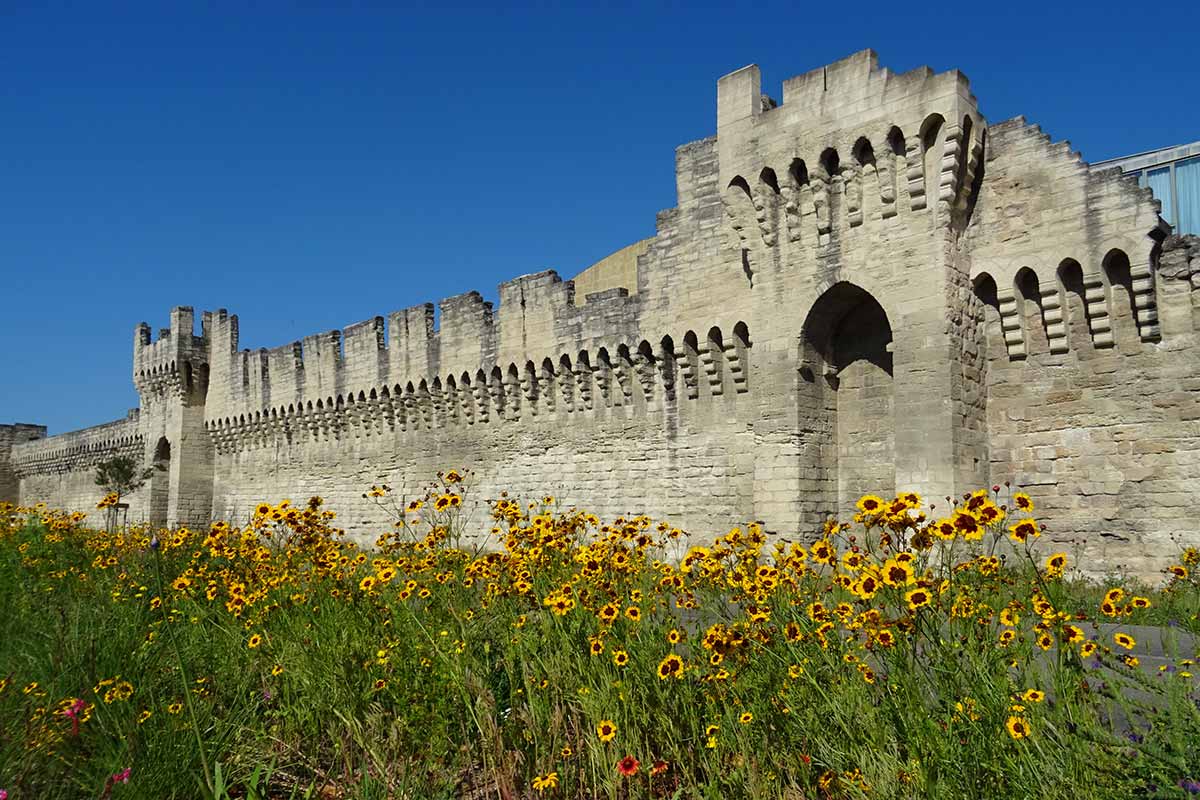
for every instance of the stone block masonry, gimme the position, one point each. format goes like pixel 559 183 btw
pixel 864 287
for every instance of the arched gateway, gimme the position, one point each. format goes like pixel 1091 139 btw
pixel 846 404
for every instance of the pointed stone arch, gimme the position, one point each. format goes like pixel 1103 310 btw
pixel 160 484
pixel 847 403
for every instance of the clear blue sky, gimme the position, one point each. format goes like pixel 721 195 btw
pixel 307 169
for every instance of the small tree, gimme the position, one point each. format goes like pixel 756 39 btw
pixel 121 475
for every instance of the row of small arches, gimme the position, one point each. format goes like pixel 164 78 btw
pixel 1056 309
pixel 73 458
pixel 915 164
pixel 190 378
pixel 584 381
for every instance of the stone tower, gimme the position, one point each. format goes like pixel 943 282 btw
pixel 171 376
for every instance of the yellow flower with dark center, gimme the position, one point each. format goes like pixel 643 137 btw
pixel 1007 636
pixel 367 584
pixel 989 514
pixel 1087 649
pixel 823 552
pixel 1045 641
pixel 1018 727
pixel 175 708
pixel 866 587
pixel 1023 502
pixel 746 718
pixel 918 598
pixel 671 666
pixel 543 783
pixel 967 526
pixel 595 646
pixel 1140 603
pixel 254 641
pixel 1010 617
pixel 606 730
pixel 276 670
pixel 634 613
pixel 1072 634
pixel 674 636
pixel 620 658
pixel 944 529
pixel 1124 640
pixel 870 504
pixel 1056 563
pixel 1024 530
pixel 911 499
pixel 1114 596
pixel 145 715
pixel 1033 696
pixel 897 573
pixel 262 509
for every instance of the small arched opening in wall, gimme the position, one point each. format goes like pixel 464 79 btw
pixel 847 409
pixel 897 167
pixel 740 370
pixel 830 162
pixel 798 172
pixel 739 206
pixel 987 306
pixel 1029 293
pixel 768 179
pixel 160 484
pixel 1070 277
pixel 866 189
pixel 1119 277
pixel 931 154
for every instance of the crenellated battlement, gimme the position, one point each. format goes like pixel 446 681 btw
pixel 852 146
pixel 175 364
pixel 628 378
pixel 1043 273
pixel 537 316
pixel 79 450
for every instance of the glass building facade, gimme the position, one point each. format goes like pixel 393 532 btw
pixel 1173 174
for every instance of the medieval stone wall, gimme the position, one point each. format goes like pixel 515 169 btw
pixel 1093 355
pixel 862 288
pixel 61 470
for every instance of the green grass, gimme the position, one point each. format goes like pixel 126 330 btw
pixel 479 688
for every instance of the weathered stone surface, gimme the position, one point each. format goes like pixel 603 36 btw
pixel 865 287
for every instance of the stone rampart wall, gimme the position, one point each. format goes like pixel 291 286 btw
pixel 863 288
pixel 61 470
